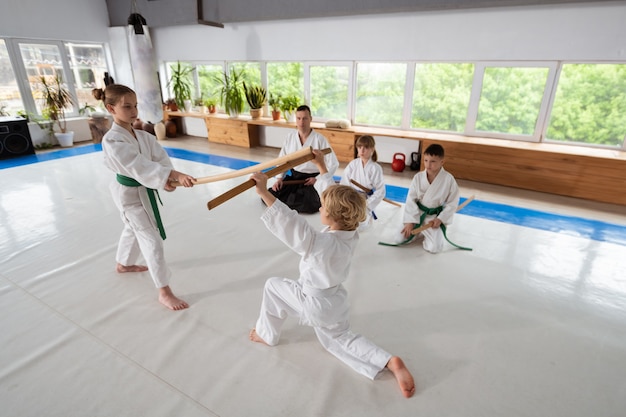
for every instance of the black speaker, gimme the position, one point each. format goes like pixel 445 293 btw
pixel 15 138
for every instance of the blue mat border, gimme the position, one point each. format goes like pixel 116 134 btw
pixel 569 225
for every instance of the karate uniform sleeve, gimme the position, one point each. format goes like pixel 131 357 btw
pixel 347 174
pixel 451 204
pixel 411 211
pixel 322 182
pixel 124 157
pixel 289 227
pixel 378 185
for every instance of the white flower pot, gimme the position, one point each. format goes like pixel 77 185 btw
pixel 66 139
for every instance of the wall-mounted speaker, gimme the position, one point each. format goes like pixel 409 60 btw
pixel 15 138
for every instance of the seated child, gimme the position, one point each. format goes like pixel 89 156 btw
pixel 318 297
pixel 433 196
pixel 367 172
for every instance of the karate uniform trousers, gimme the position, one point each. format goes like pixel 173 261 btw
pixel 303 198
pixel 144 160
pixel 443 191
pixel 318 299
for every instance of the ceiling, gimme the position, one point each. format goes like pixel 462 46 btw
pixel 159 13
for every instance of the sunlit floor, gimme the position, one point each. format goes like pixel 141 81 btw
pixel 532 322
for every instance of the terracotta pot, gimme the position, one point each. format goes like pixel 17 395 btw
pixel 148 127
pixel 212 108
pixel 276 115
pixel 170 129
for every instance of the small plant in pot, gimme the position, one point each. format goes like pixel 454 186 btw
pixel 232 95
pixel 256 97
pixel 211 104
pixel 274 103
pixel 288 105
pixel 56 99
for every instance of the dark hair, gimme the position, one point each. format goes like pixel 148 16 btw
pixel 435 150
pixel 369 142
pixel 304 107
pixel 112 93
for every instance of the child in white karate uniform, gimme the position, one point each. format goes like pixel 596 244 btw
pixel 318 297
pixel 142 167
pixel 366 172
pixel 433 196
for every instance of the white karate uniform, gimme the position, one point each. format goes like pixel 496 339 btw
pixel 318 297
pixel 369 176
pixel 316 141
pixel 144 160
pixel 443 191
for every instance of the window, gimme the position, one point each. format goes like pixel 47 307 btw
pixel 251 75
pixel 43 60
pixel 380 93
pixel 209 87
pixel 81 67
pixel 285 78
pixel 10 97
pixel 329 88
pixel 441 96
pixel 88 65
pixel 590 105
pixel 510 100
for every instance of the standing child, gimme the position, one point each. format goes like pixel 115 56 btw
pixel 433 196
pixel 318 297
pixel 142 167
pixel 367 172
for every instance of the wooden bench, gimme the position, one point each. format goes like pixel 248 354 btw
pixel 574 171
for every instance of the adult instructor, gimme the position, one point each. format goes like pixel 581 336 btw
pixel 301 196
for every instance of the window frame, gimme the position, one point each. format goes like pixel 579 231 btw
pixel 21 74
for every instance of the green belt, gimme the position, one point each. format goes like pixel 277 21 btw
pixel 426 211
pixel 131 182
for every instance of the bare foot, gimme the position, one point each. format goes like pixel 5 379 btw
pixel 130 268
pixel 169 300
pixel 256 338
pixel 403 376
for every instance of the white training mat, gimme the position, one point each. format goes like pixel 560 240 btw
pixel 530 323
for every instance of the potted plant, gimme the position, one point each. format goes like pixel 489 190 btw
pixel 211 104
pixel 256 97
pixel 232 95
pixel 274 103
pixel 180 84
pixel 288 105
pixel 56 99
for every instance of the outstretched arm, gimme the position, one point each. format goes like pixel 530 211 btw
pixel 261 188
pixel 180 178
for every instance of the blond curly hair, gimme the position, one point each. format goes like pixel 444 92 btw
pixel 345 205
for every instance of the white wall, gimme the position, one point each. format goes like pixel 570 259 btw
pixel 563 32
pixel 70 20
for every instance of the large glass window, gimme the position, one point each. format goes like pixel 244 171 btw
pixel 250 74
pixel 380 93
pixel 88 65
pixel 43 60
pixel 329 87
pixel 285 79
pixel 207 74
pixel 441 95
pixel 10 97
pixel 510 99
pixel 590 105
